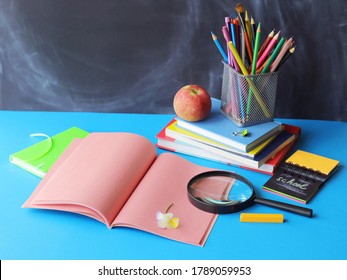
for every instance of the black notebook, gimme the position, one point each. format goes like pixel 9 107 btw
pixel 301 176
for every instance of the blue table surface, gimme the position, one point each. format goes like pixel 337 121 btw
pixel 45 234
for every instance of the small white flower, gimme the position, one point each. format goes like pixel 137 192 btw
pixel 167 220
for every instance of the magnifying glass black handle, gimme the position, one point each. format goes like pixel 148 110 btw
pixel 285 206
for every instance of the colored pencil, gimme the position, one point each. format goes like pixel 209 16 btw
pixel 238 88
pixel 253 31
pixel 227 22
pixel 248 28
pixel 227 38
pixel 242 47
pixel 286 56
pixel 232 31
pixel 222 52
pixel 248 48
pixel 266 42
pixel 260 69
pixel 266 52
pixel 256 48
pixel 254 64
pixel 273 55
pixel 252 86
pixel 237 34
pixel 281 54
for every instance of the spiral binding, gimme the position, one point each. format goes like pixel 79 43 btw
pixel 302 171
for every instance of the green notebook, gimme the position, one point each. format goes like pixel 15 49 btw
pixel 39 157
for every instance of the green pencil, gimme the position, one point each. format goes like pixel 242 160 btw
pixel 254 64
pixel 256 49
pixel 274 55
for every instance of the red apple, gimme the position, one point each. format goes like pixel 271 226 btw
pixel 192 103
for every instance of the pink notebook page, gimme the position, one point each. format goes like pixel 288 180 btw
pixel 166 183
pixel 96 177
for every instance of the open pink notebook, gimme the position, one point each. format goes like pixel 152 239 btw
pixel 117 179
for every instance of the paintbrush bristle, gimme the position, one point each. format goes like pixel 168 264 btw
pixel 239 8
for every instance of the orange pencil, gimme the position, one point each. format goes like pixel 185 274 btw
pixel 245 36
pixel 262 66
pixel 248 47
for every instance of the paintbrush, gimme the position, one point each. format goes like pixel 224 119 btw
pixel 241 13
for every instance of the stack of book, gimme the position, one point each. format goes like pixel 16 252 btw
pixel 217 138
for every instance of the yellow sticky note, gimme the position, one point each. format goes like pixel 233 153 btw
pixel 312 161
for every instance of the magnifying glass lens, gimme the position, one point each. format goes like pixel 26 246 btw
pixel 226 192
pixel 220 190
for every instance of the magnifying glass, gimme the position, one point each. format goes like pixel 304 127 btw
pixel 222 192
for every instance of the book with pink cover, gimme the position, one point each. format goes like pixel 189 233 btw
pixel 118 179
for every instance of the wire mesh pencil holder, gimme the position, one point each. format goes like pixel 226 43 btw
pixel 248 100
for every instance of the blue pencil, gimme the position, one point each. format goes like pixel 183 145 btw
pixel 214 37
pixel 232 31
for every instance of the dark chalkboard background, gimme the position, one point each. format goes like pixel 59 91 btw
pixel 132 56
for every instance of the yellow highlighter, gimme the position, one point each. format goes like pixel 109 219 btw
pixel 261 218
